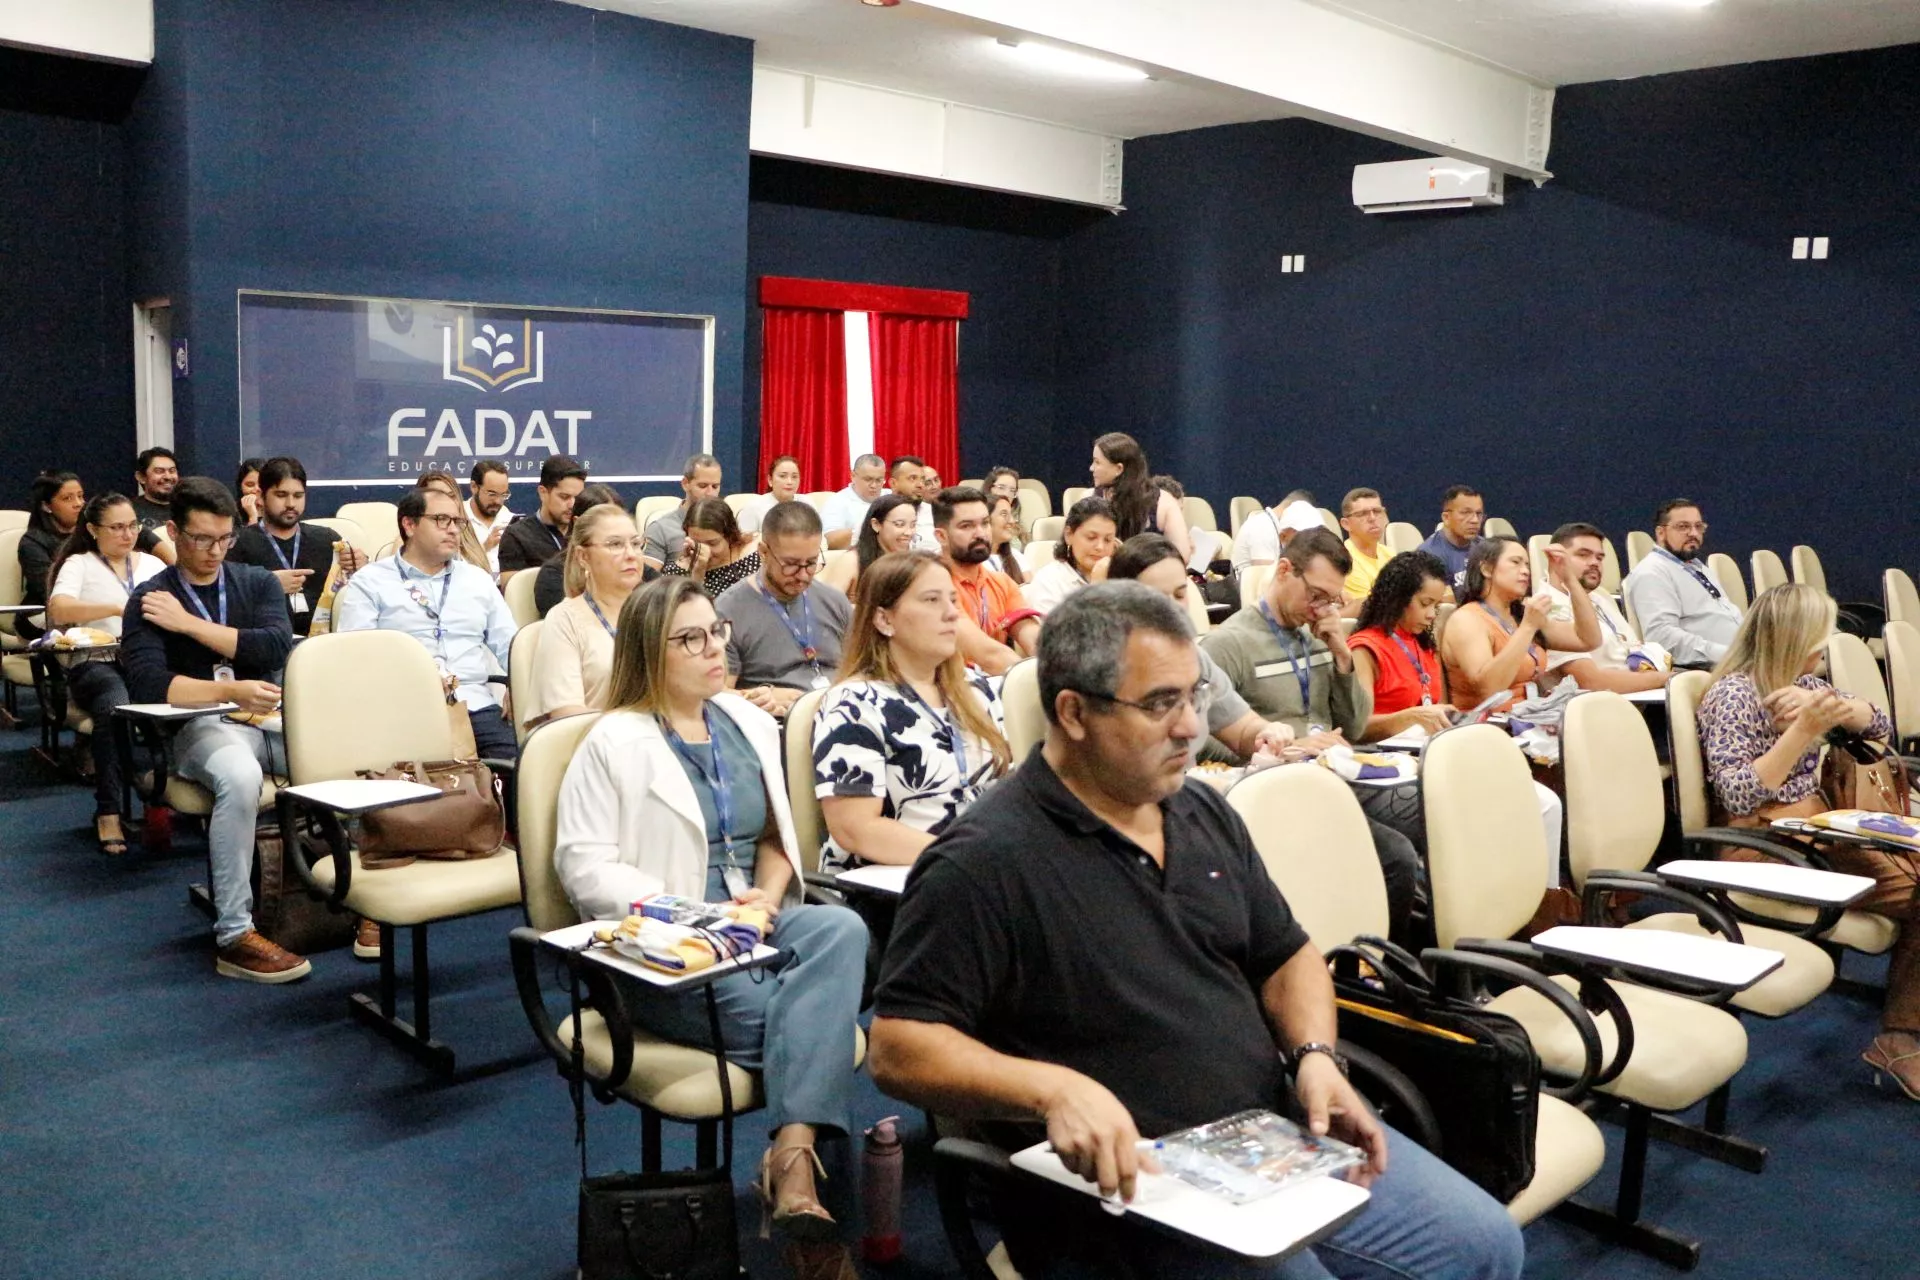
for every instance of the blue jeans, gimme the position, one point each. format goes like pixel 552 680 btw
pixel 492 735
pixel 229 760
pixel 794 1023
pixel 1425 1222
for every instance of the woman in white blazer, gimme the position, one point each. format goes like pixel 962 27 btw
pixel 678 789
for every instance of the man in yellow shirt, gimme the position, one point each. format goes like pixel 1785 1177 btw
pixel 1364 516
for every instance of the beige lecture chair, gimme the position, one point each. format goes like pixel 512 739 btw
pixel 519 597
pixel 1852 669
pixel 1070 496
pixel 1862 931
pixel 350 533
pixel 1403 537
pixel 1639 547
pixel 1311 834
pixel 1807 568
pixel 1900 597
pixel 1726 571
pixel 16 671
pixel 12 518
pixel 1196 603
pixel 1199 513
pixel 1029 485
pixel 1040 551
pixel 1033 507
pixel 363 700
pixel 648 509
pixel 1253 583
pixel 818 499
pixel 1026 718
pixel 522 658
pixel 379 521
pixel 1768 572
pixel 809 822
pixel 1238 510
pixel 1331 519
pixel 1049 528
pixel 735 501
pixel 1903 674
pixel 1497 526
pixel 1616 811
pixel 1486 855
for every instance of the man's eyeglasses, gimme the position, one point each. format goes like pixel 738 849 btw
pixel 1679 527
pixel 123 529
pixel 695 639
pixel 1161 705
pixel 444 523
pixel 802 564
pixel 208 541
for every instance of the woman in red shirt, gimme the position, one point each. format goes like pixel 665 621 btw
pixel 1392 643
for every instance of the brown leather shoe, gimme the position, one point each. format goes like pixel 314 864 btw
pixel 366 941
pixel 253 958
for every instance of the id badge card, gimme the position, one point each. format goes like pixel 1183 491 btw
pixel 223 674
pixel 819 680
pixel 736 880
pixel 297 602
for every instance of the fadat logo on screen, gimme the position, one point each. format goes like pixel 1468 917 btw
pixel 494 359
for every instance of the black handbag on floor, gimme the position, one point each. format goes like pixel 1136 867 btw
pixel 676 1225
pixel 1477 1068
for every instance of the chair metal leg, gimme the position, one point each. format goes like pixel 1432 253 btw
pixel 382 1014
pixel 1623 1224
pixel 1716 1121
pixel 1704 1140
pixel 650 1140
pixel 706 1144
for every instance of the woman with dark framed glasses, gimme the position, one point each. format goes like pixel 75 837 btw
pixel 906 739
pixel 678 789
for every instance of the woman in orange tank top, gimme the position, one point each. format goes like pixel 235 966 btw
pixel 1498 637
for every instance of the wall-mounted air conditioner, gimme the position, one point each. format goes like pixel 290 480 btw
pixel 1402 186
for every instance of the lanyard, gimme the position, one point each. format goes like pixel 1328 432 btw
pixel 199 605
pixel 559 538
pixel 1506 625
pixel 980 603
pixel 1693 570
pixel 1302 670
pixel 950 727
pixel 594 605
pixel 1606 620
pixel 717 783
pixel 803 634
pixel 287 561
pixel 116 577
pixel 420 598
pixel 1419 668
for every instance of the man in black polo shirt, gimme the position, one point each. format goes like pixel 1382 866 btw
pixel 531 541
pixel 1098 954
pixel 300 555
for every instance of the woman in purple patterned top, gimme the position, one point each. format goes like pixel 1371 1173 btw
pixel 1762 725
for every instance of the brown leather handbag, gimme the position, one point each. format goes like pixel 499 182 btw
pixel 467 821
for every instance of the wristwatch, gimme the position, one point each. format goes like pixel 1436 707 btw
pixel 1299 1054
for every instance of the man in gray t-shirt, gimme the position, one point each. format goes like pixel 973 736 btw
pixel 787 630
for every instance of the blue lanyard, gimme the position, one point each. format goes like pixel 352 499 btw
pixel 420 598
pixel 596 611
pixel 199 605
pixel 1507 626
pixel 950 729
pixel 116 577
pixel 1302 662
pixel 1419 668
pixel 717 783
pixel 286 561
pixel 803 634
pixel 559 539
pixel 1693 570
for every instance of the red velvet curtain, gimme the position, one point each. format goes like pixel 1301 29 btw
pixel 916 389
pixel 803 396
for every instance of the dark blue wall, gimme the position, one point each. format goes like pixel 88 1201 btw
pixel 1007 344
pixel 506 151
pixel 1634 330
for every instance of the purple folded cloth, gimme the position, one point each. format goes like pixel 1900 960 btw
pixel 1375 771
pixel 740 938
pixel 1887 825
pixel 1518 727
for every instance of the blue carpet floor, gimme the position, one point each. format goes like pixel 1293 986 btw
pixel 157 1121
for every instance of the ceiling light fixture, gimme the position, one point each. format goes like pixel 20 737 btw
pixel 1068 62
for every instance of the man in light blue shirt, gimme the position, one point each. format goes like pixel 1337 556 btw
pixel 1675 597
pixel 446 604
pixel 846 511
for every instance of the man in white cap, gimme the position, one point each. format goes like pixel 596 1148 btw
pixel 1264 533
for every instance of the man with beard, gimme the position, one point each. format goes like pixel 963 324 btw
pixel 1679 602
pixel 997 629
pixel 298 554
pixel 1579 551
pixel 156 472
pixel 486 507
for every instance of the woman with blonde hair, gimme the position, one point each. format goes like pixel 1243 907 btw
pixel 574 664
pixel 906 740
pixel 678 789
pixel 1762 725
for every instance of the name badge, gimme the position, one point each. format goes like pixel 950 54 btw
pixel 297 602
pixel 819 681
pixel 223 674
pixel 735 880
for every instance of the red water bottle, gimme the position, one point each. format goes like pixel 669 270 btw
pixel 880 1192
pixel 156 829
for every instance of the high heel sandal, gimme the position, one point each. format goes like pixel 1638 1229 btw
pixel 802 1218
pixel 112 846
pixel 1884 1063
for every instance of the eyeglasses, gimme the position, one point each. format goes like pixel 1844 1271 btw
pixel 1368 513
pixel 695 639
pixel 1318 599
pixel 443 523
pixel 130 526
pixel 619 546
pixel 1680 527
pixel 787 564
pixel 208 541
pixel 1158 706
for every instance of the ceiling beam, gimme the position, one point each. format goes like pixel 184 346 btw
pixel 107 30
pixel 1323 65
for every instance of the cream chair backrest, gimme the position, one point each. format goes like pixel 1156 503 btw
pixel 1903 671
pixel 809 826
pixel 12 583
pixel 1537 558
pixel 1767 571
pixel 1238 510
pixel 1684 692
pixel 1609 567
pixel 1902 600
pixel 1199 513
pixel 1253 583
pixel 1498 526
pixel 13 519
pixel 1070 496
pixel 522 658
pixel 735 501
pixel 1331 519
pixel 818 499
pixel 388 550
pixel 1615 806
pixel 362 700
pixel 1316 845
pixel 1026 718
pixel 1403 537
pixel 1639 547
pixel 648 509
pixel 1039 552
pixel 1726 571
pixel 1807 568
pixel 1851 668
pixel 1032 506
pixel 543 767
pixel 350 532
pixel 519 594
pixel 974 484
pixel 1049 528
pixel 1486 850
pixel 379 521
pixel 1029 485
pixel 1197 610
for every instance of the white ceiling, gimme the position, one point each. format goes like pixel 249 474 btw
pixel 1574 41
pixel 928 51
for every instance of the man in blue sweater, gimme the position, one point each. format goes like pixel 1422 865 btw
pixel 209 631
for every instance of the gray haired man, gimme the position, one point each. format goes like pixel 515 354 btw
pixel 700 478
